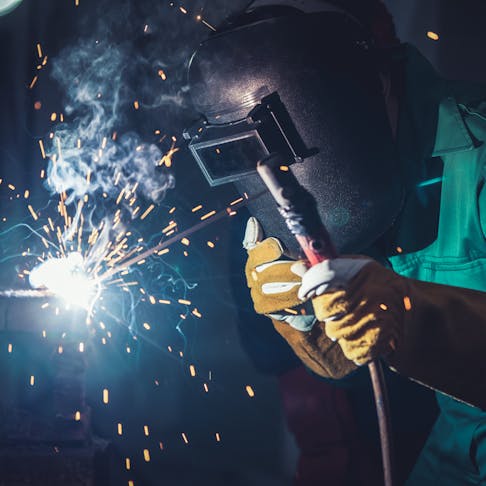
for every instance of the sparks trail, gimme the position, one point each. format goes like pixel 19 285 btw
pixel 229 211
pixel 19 294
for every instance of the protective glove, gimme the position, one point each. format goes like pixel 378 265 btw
pixel 274 281
pixel 432 333
pixel 361 303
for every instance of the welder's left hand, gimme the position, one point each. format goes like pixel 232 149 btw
pixel 361 303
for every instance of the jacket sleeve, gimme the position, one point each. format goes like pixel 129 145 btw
pixel 443 341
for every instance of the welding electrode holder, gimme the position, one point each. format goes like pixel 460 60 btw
pixel 299 210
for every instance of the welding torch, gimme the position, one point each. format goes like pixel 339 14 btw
pixel 299 210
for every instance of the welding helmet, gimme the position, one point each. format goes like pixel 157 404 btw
pixel 302 83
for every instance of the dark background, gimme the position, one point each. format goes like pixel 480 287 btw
pixel 255 446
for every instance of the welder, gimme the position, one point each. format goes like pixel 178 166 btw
pixel 395 158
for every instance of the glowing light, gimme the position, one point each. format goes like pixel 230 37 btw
pixel 146 430
pixel 106 396
pixel 120 429
pixel 77 416
pixel 250 391
pixel 66 278
pixel 407 303
pixel 208 215
pixel 147 211
pixel 429 182
pixel 146 455
pixel 32 380
pixel 432 35
pixel 127 463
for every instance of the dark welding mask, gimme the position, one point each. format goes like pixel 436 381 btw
pixel 305 86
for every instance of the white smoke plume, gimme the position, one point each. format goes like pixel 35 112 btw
pixel 90 152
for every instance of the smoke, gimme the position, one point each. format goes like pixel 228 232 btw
pixel 90 153
pixel 120 83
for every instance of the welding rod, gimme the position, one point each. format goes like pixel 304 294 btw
pixel 299 210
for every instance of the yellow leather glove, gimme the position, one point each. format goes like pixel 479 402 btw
pixel 366 315
pixel 274 282
pixel 434 334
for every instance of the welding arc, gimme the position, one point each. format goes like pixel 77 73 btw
pixel 166 243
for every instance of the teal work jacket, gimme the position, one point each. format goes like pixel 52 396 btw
pixel 455 453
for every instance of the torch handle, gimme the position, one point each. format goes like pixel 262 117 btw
pixel 313 257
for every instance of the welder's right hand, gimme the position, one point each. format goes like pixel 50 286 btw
pixel 274 281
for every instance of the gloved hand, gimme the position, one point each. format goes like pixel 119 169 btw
pixel 362 304
pixel 274 282
pixel 274 279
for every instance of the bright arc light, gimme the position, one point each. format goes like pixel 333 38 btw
pixel 66 277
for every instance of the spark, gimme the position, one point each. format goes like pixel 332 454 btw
pixel 433 35
pixel 147 211
pixel 32 83
pixel 250 391
pixel 204 22
pixel 125 264
pixel 32 212
pixel 407 303
pixel 208 215
pixel 167 158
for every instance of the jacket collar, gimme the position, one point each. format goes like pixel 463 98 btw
pixel 452 132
